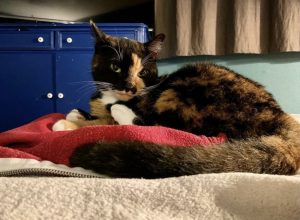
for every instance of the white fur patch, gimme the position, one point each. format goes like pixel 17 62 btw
pixel 74 115
pixel 59 126
pixel 108 98
pixel 122 114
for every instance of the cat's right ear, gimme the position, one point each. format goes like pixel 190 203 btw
pixel 155 45
pixel 99 34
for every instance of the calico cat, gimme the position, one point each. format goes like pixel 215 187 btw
pixel 199 98
pixel 119 74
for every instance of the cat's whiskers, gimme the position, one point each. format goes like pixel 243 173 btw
pixel 84 87
pixel 90 86
pixel 82 95
pixel 103 83
pixel 147 89
pixel 120 52
pixel 87 81
pixel 103 86
pixel 88 90
pixel 86 84
pixel 84 91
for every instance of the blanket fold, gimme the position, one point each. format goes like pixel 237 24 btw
pixel 37 141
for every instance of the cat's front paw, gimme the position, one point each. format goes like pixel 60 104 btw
pixel 75 115
pixel 122 114
pixel 64 125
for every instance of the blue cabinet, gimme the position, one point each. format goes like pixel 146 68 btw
pixel 46 68
pixel 73 81
pixel 22 98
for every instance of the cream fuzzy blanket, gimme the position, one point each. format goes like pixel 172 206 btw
pixel 210 196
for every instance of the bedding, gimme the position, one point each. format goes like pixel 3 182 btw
pixel 74 193
pixel 36 141
pixel 209 196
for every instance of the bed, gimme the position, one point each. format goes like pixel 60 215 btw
pixel 34 188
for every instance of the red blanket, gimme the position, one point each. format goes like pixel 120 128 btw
pixel 37 141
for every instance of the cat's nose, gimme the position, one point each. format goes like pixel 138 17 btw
pixel 130 88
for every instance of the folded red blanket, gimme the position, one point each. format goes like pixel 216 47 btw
pixel 37 141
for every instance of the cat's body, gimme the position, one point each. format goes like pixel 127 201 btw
pixel 198 98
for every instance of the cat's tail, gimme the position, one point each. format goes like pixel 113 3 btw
pixel 277 154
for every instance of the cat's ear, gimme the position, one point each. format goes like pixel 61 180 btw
pixel 155 45
pixel 98 33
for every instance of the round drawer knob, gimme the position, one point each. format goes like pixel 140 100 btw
pixel 69 40
pixel 60 95
pixel 49 95
pixel 40 39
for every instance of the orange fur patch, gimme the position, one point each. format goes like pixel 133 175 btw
pixel 168 100
pixel 95 62
pixel 134 71
pixel 97 109
pixel 191 113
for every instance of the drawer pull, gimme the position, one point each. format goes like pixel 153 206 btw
pixel 40 39
pixel 60 95
pixel 69 40
pixel 49 95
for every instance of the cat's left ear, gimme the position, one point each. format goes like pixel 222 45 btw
pixel 155 45
pixel 99 34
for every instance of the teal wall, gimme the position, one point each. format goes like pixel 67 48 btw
pixel 279 73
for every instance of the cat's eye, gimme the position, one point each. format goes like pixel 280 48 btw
pixel 114 67
pixel 143 73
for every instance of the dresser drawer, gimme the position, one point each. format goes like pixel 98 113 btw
pixel 75 40
pixel 85 39
pixel 134 31
pixel 30 40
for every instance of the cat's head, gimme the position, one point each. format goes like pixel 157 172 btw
pixel 126 65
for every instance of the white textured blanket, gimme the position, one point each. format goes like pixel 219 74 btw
pixel 211 196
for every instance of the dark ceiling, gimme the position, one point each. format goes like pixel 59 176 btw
pixel 79 10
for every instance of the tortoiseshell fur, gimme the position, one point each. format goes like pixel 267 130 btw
pixel 200 98
pixel 209 99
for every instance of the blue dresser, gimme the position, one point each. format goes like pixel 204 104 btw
pixel 46 67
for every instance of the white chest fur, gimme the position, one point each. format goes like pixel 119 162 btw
pixel 108 98
pixel 121 113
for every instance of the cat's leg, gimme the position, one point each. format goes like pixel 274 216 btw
pixel 78 114
pixel 74 120
pixel 122 114
pixel 78 118
pixel 75 115
pixel 64 125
